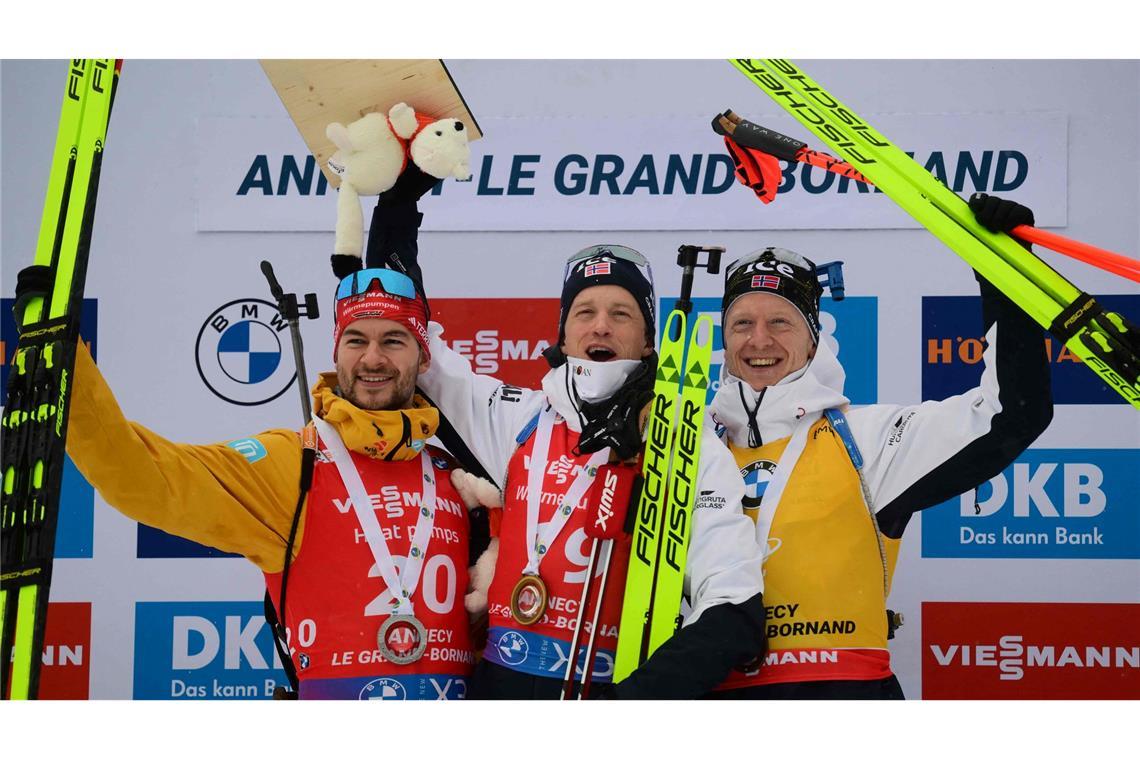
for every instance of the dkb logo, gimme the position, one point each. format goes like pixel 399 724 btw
pixel 1063 504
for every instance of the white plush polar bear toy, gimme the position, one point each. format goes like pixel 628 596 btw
pixel 374 149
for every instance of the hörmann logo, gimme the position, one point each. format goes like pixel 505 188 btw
pixel 656 457
pixel 953 346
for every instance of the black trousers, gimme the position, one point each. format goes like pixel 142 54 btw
pixel 491 681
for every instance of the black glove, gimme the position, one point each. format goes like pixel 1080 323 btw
pixel 344 264
pixel 410 186
pixel 31 282
pixel 997 214
pixel 615 421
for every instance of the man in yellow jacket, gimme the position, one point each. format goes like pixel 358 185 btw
pixel 355 511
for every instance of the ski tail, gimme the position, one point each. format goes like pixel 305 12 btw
pixel 644 556
pixel 1101 340
pixel 35 415
pixel 682 486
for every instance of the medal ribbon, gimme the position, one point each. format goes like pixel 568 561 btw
pixel 535 476
pixel 779 481
pixel 366 516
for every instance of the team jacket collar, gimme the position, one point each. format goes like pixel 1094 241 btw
pixel 387 435
pixel 584 380
pixel 777 408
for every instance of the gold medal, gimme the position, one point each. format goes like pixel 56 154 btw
pixel 528 600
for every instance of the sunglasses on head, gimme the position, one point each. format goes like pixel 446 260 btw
pixel 391 282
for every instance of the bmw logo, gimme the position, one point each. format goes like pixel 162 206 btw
pixel 756 477
pixel 241 353
pixel 383 688
pixel 513 648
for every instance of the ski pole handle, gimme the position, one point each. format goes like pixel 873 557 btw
pixel 688 258
pixel 287 305
pixel 750 135
pixel 274 286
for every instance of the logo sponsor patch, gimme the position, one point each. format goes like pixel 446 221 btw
pixel 250 448
pixel 1014 650
pixel 513 648
pixel 384 688
pixel 240 353
pixel 1049 504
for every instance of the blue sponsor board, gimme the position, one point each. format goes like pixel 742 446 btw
pixel 73 533
pixel 952 351
pixel 1050 504
pixel 852 326
pixel 156 544
pixel 204 650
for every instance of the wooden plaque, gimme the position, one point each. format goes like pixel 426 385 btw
pixel 319 92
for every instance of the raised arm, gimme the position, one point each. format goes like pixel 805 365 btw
pixel 237 497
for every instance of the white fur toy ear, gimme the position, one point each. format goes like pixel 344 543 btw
pixel 476 491
pixel 480 577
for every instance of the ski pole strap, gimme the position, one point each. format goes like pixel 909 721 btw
pixel 1075 317
pixel 276 625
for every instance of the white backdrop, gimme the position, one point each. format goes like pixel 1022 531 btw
pixel 174 243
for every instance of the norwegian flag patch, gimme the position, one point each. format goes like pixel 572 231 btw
pixel 766 281
pixel 601 267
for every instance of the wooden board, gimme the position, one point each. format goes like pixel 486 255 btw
pixel 319 92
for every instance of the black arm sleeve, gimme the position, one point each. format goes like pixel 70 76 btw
pixel 700 656
pixel 1026 400
pixel 393 243
pixel 393 240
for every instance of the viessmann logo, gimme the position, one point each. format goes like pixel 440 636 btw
pixel 502 337
pixel 1030 650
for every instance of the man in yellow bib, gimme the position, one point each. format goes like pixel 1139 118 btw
pixel 831 490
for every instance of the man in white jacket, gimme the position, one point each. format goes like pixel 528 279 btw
pixel 831 492
pixel 602 370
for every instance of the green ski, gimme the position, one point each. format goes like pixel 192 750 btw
pixel 652 604
pixel 35 417
pixel 1105 341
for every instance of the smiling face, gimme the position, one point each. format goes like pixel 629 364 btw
pixel 765 339
pixel 377 364
pixel 603 324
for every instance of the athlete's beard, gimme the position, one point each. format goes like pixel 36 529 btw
pixel 398 397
